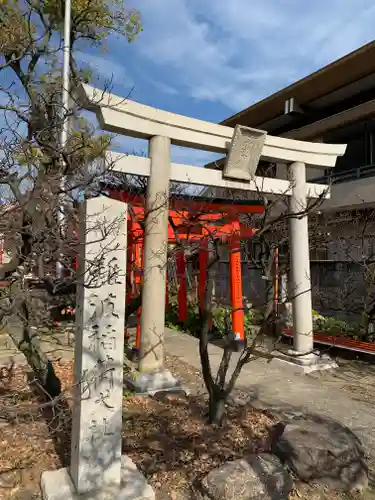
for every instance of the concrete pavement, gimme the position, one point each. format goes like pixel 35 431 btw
pixel 286 393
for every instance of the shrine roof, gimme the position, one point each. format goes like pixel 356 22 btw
pixel 137 194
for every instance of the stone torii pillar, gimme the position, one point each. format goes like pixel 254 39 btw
pixel 152 376
pixel 302 356
pixel 300 261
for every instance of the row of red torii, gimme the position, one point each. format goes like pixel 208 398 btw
pixel 100 317
pixel 193 219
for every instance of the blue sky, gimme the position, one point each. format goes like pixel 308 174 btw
pixel 211 58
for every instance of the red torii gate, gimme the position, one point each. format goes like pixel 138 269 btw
pixel 192 219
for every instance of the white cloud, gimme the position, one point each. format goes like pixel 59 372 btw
pixel 238 51
pixel 105 70
pixel 163 87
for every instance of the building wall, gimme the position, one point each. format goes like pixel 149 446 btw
pixel 338 289
pixel 351 195
pixel 342 273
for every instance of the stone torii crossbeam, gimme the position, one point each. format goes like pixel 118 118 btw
pixel 96 462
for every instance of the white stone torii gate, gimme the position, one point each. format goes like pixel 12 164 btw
pixel 96 460
pixel 245 146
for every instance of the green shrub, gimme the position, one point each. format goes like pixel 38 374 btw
pixel 331 326
pixel 322 324
pixel 335 327
pixel 219 321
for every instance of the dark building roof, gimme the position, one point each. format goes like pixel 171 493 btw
pixel 343 85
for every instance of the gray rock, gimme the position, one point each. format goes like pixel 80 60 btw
pixel 260 477
pixel 24 495
pixel 322 451
pixel 188 495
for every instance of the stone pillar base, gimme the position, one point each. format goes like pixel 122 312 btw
pixel 304 364
pixel 151 383
pixel 57 485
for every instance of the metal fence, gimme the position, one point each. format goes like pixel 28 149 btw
pixel 336 177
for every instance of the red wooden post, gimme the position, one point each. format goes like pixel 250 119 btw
pixel 276 283
pixel 138 260
pixel 182 288
pixel 129 269
pixel 235 274
pixel 129 259
pixel 203 262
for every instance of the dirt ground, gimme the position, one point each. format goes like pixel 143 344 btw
pixel 302 491
pixel 31 434
pixel 166 437
pixel 356 376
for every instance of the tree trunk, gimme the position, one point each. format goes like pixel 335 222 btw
pixel 18 326
pixel 216 408
pixel 28 343
pixel 133 306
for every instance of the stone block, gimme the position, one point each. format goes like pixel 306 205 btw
pixel 58 485
pixel 322 451
pixel 304 364
pixel 256 477
pixel 151 383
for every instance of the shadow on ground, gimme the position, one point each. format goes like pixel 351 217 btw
pixel 58 417
pixel 167 438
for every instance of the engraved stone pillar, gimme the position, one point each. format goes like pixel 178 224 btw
pixel 97 469
pixel 97 410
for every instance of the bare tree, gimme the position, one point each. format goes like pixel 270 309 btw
pixel 32 161
pixel 345 274
pixel 272 232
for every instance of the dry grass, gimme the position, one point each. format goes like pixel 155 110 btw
pixel 167 438
pixel 28 444
pixel 170 442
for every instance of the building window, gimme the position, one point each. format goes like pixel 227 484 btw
pixel 319 253
pixel 266 169
pixel 356 154
pixel 359 138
